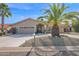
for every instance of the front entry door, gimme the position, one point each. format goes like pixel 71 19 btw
pixel 39 28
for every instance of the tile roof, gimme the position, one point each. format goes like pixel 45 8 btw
pixel 6 26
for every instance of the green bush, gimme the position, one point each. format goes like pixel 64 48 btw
pixel 14 30
pixel 76 28
pixel 0 34
pixel 3 33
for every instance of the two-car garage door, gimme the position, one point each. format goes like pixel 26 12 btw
pixel 26 30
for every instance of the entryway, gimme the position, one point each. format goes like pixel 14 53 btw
pixel 39 28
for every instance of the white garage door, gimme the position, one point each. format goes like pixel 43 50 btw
pixel 26 30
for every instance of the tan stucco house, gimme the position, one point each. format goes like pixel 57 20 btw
pixel 29 26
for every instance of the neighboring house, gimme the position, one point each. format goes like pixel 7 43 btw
pixel 61 27
pixel 6 26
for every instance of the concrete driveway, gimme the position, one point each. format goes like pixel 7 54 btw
pixel 14 40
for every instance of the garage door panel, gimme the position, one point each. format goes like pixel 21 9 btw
pixel 27 30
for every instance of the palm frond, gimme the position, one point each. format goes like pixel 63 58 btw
pixel 71 15
pixel 4 10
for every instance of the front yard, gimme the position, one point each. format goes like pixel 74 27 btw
pixel 67 44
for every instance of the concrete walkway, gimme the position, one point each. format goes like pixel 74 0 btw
pixel 40 51
pixel 71 35
pixel 14 51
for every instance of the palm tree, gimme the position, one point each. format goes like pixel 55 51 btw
pixel 74 22
pixel 41 18
pixel 75 25
pixel 4 12
pixel 56 14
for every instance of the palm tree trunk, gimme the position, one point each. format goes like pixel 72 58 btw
pixel 2 24
pixel 55 31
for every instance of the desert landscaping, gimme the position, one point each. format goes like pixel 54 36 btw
pixel 54 32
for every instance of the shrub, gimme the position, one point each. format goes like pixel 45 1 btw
pixel 76 28
pixel 0 34
pixel 3 33
pixel 14 30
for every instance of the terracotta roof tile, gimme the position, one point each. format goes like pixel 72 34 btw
pixel 6 26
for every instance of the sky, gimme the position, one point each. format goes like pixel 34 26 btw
pixel 21 11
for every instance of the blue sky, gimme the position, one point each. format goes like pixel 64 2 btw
pixel 21 11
